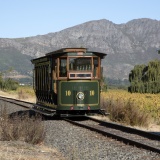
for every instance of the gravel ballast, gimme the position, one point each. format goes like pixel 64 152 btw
pixel 81 144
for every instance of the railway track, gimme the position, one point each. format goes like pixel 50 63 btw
pixel 21 103
pixel 127 135
pixel 27 105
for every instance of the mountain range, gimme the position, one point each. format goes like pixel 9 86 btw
pixel 126 45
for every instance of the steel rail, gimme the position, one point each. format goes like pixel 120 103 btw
pixel 117 137
pixel 16 101
pixel 127 129
pixel 35 107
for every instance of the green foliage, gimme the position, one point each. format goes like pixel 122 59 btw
pixel 103 84
pixel 1 80
pixel 8 84
pixel 145 79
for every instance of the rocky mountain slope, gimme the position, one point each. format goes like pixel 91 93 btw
pixel 126 44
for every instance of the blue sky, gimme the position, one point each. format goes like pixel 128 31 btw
pixel 24 18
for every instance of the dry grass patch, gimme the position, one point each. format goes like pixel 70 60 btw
pixel 25 93
pixel 23 128
pixel 17 150
pixel 133 109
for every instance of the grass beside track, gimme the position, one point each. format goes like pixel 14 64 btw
pixel 25 93
pixel 132 108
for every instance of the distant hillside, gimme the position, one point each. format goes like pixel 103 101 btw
pixel 126 44
pixel 18 64
pixel 11 57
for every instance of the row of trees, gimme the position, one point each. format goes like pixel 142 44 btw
pixel 8 84
pixel 145 79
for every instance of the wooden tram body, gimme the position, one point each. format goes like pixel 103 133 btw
pixel 67 82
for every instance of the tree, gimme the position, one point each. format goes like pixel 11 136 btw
pixel 1 81
pixel 145 79
pixel 7 84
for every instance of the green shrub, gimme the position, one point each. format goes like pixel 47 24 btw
pixel 10 84
pixel 145 79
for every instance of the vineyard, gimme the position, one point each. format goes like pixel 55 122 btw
pixel 132 108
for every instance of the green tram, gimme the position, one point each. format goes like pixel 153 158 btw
pixel 67 82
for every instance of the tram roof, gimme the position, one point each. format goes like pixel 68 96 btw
pixel 66 50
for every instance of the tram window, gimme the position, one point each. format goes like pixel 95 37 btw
pixel 95 64
pixel 63 67
pixel 78 64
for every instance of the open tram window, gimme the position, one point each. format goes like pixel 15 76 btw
pixel 80 64
pixel 63 67
pixel 80 67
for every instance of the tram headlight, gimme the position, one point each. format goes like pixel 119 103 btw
pixel 80 95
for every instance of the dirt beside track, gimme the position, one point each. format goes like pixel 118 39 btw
pixel 17 150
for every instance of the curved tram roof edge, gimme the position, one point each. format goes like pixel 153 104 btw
pixel 66 50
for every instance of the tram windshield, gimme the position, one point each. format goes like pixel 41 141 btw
pixel 80 64
pixel 79 67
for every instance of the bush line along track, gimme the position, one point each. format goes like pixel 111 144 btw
pixel 129 136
